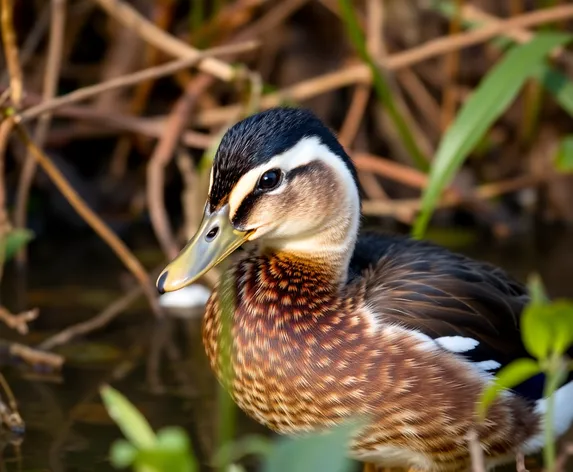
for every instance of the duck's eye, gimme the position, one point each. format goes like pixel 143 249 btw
pixel 269 180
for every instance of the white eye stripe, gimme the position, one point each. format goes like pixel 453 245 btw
pixel 304 152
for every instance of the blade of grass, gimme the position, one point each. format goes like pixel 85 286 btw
pixel 380 84
pixel 555 82
pixel 489 101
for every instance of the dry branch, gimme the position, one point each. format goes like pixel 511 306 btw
pixel 132 79
pixel 360 73
pixel 130 18
pixel 35 357
pixel 116 244
pixel 97 322
pixel 51 76
pixel 20 321
pixel 162 155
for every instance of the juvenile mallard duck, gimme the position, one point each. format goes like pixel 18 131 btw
pixel 327 325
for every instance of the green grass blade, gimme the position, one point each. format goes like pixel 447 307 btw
pixel 131 422
pixel 555 82
pixel 381 86
pixel 489 101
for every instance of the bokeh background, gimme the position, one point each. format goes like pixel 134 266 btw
pixel 101 186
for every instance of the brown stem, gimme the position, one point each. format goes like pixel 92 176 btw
pixel 162 155
pixel 51 76
pixel 116 244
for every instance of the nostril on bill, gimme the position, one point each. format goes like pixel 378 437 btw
pixel 212 234
pixel 161 283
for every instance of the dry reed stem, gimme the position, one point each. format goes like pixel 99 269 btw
pixel 161 16
pixel 134 78
pixel 9 414
pixel 130 18
pixel 151 127
pixel 97 224
pixel 16 89
pixel 162 156
pixel 51 76
pixel 360 73
pixel 452 198
pixel 11 51
pixel 476 452
pixel 35 357
pixel 19 321
pixel 97 322
pixel 390 169
pixel 354 115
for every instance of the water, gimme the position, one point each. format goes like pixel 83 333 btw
pixel 67 428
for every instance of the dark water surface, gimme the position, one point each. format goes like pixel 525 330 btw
pixel 161 367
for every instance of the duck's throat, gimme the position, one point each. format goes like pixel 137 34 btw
pixel 326 252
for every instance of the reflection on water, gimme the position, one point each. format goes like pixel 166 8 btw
pixel 161 367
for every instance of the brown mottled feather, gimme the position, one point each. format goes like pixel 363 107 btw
pixel 307 354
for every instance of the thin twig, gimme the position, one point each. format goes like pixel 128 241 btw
pixel 20 321
pixel 9 414
pixel 359 73
pixel 16 89
pixel 97 224
pixel 132 79
pixel 162 156
pixel 11 51
pixel 130 18
pixel 51 76
pixel 97 322
pixel 36 357
pixel 354 115
pixel 476 452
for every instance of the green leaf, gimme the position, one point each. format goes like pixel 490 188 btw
pixel 536 331
pixel 326 451
pixel 557 84
pixel 564 158
pixel 560 315
pixel 16 240
pixel 537 290
pixel 122 454
pixel 131 422
pixel 511 375
pixel 489 101
pixel 173 438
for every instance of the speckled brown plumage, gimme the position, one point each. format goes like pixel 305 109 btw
pixel 326 323
pixel 307 354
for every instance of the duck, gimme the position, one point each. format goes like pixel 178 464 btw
pixel 315 322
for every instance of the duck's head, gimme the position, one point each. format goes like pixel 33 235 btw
pixel 279 178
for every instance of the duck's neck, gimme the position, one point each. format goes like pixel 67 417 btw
pixel 328 250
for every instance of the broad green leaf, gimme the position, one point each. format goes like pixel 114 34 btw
pixel 489 101
pixel 173 438
pixel 564 158
pixel 558 85
pixel 537 331
pixel 326 451
pixel 554 81
pixel 131 422
pixel 560 315
pixel 16 240
pixel 510 376
pixel 122 454
pixel 159 459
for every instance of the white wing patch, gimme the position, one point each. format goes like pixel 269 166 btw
pixel 488 365
pixel 457 344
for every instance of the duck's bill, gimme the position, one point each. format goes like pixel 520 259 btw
pixel 214 241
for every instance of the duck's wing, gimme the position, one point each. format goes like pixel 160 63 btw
pixel 465 306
